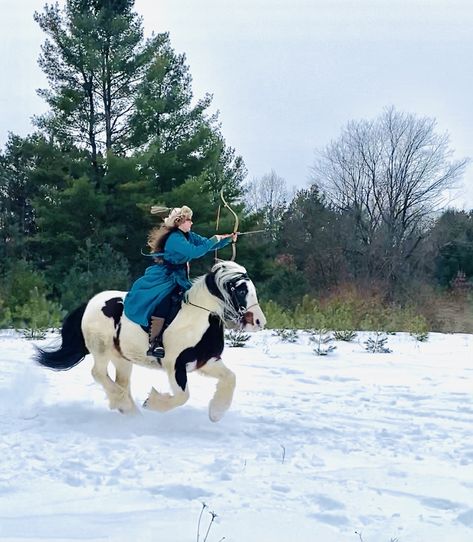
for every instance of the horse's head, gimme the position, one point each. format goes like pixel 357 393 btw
pixel 239 295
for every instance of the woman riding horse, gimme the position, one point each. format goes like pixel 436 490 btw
pixel 173 245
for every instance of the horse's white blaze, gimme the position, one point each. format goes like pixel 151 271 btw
pixel 259 318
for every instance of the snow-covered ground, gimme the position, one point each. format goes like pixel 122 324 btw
pixel 312 449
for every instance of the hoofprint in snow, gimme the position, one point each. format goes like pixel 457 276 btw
pixel 313 449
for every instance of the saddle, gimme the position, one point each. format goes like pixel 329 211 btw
pixel 176 298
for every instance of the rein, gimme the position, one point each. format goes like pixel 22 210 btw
pixel 208 310
pixel 198 306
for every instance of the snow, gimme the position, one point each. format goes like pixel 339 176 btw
pixel 312 449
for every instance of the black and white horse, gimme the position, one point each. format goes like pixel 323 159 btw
pixel 193 341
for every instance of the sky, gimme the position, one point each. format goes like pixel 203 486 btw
pixel 287 75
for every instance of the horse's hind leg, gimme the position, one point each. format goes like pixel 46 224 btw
pixel 223 396
pixel 123 371
pixel 163 402
pixel 115 393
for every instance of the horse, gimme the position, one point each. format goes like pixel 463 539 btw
pixel 193 341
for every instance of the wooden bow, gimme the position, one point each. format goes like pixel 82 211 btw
pixel 236 224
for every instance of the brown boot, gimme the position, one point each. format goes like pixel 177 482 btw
pixel 156 348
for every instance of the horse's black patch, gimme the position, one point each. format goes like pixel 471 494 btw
pixel 239 295
pixel 210 346
pixel 212 286
pixel 116 339
pixel 113 308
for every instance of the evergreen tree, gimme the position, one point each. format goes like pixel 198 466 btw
pixel 27 166
pixel 451 246
pixel 122 133
pixel 318 240
pixel 177 140
pixel 94 60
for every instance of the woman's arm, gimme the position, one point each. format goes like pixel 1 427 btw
pixel 223 239
pixel 178 249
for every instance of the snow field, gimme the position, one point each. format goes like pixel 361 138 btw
pixel 312 449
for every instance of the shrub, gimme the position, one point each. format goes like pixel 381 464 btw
pixel 377 344
pixel 287 335
pixel 236 339
pixel 346 335
pixel 19 281
pixel 307 315
pixel 5 315
pixel 418 328
pixel 276 316
pixel 322 340
pixel 23 298
pixel 37 315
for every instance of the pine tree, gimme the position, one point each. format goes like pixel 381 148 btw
pixel 94 60
pixel 376 344
pixel 323 342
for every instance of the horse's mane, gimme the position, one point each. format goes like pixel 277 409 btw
pixel 223 272
pixel 199 295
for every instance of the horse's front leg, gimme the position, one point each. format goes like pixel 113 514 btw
pixel 223 396
pixel 177 376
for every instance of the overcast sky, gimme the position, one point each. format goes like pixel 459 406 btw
pixel 287 75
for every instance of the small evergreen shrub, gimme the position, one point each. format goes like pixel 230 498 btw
pixel 19 281
pixel 376 344
pixel 322 341
pixel 236 339
pixel 37 316
pixel 23 300
pixel 418 328
pixel 5 315
pixel 346 335
pixel 287 335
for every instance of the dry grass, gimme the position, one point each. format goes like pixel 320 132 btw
pixel 453 314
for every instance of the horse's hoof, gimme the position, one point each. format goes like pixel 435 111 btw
pixel 152 399
pixel 216 415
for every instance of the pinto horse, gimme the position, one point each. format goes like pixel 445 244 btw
pixel 193 341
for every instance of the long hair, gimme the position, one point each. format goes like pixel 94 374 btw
pixel 157 237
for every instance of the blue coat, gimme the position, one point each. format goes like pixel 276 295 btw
pixel 160 280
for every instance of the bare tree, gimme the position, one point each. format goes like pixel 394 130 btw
pixel 392 174
pixel 267 196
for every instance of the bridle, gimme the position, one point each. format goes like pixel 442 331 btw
pixel 239 308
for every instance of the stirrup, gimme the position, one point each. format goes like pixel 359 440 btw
pixel 156 350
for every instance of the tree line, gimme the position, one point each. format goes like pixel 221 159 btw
pixel 123 131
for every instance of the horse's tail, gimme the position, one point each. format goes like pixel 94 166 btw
pixel 72 349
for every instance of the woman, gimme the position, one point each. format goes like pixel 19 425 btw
pixel 173 245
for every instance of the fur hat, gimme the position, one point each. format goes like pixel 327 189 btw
pixel 176 216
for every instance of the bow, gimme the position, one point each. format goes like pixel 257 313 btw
pixel 235 225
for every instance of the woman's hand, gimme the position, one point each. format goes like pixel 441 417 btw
pixel 234 236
